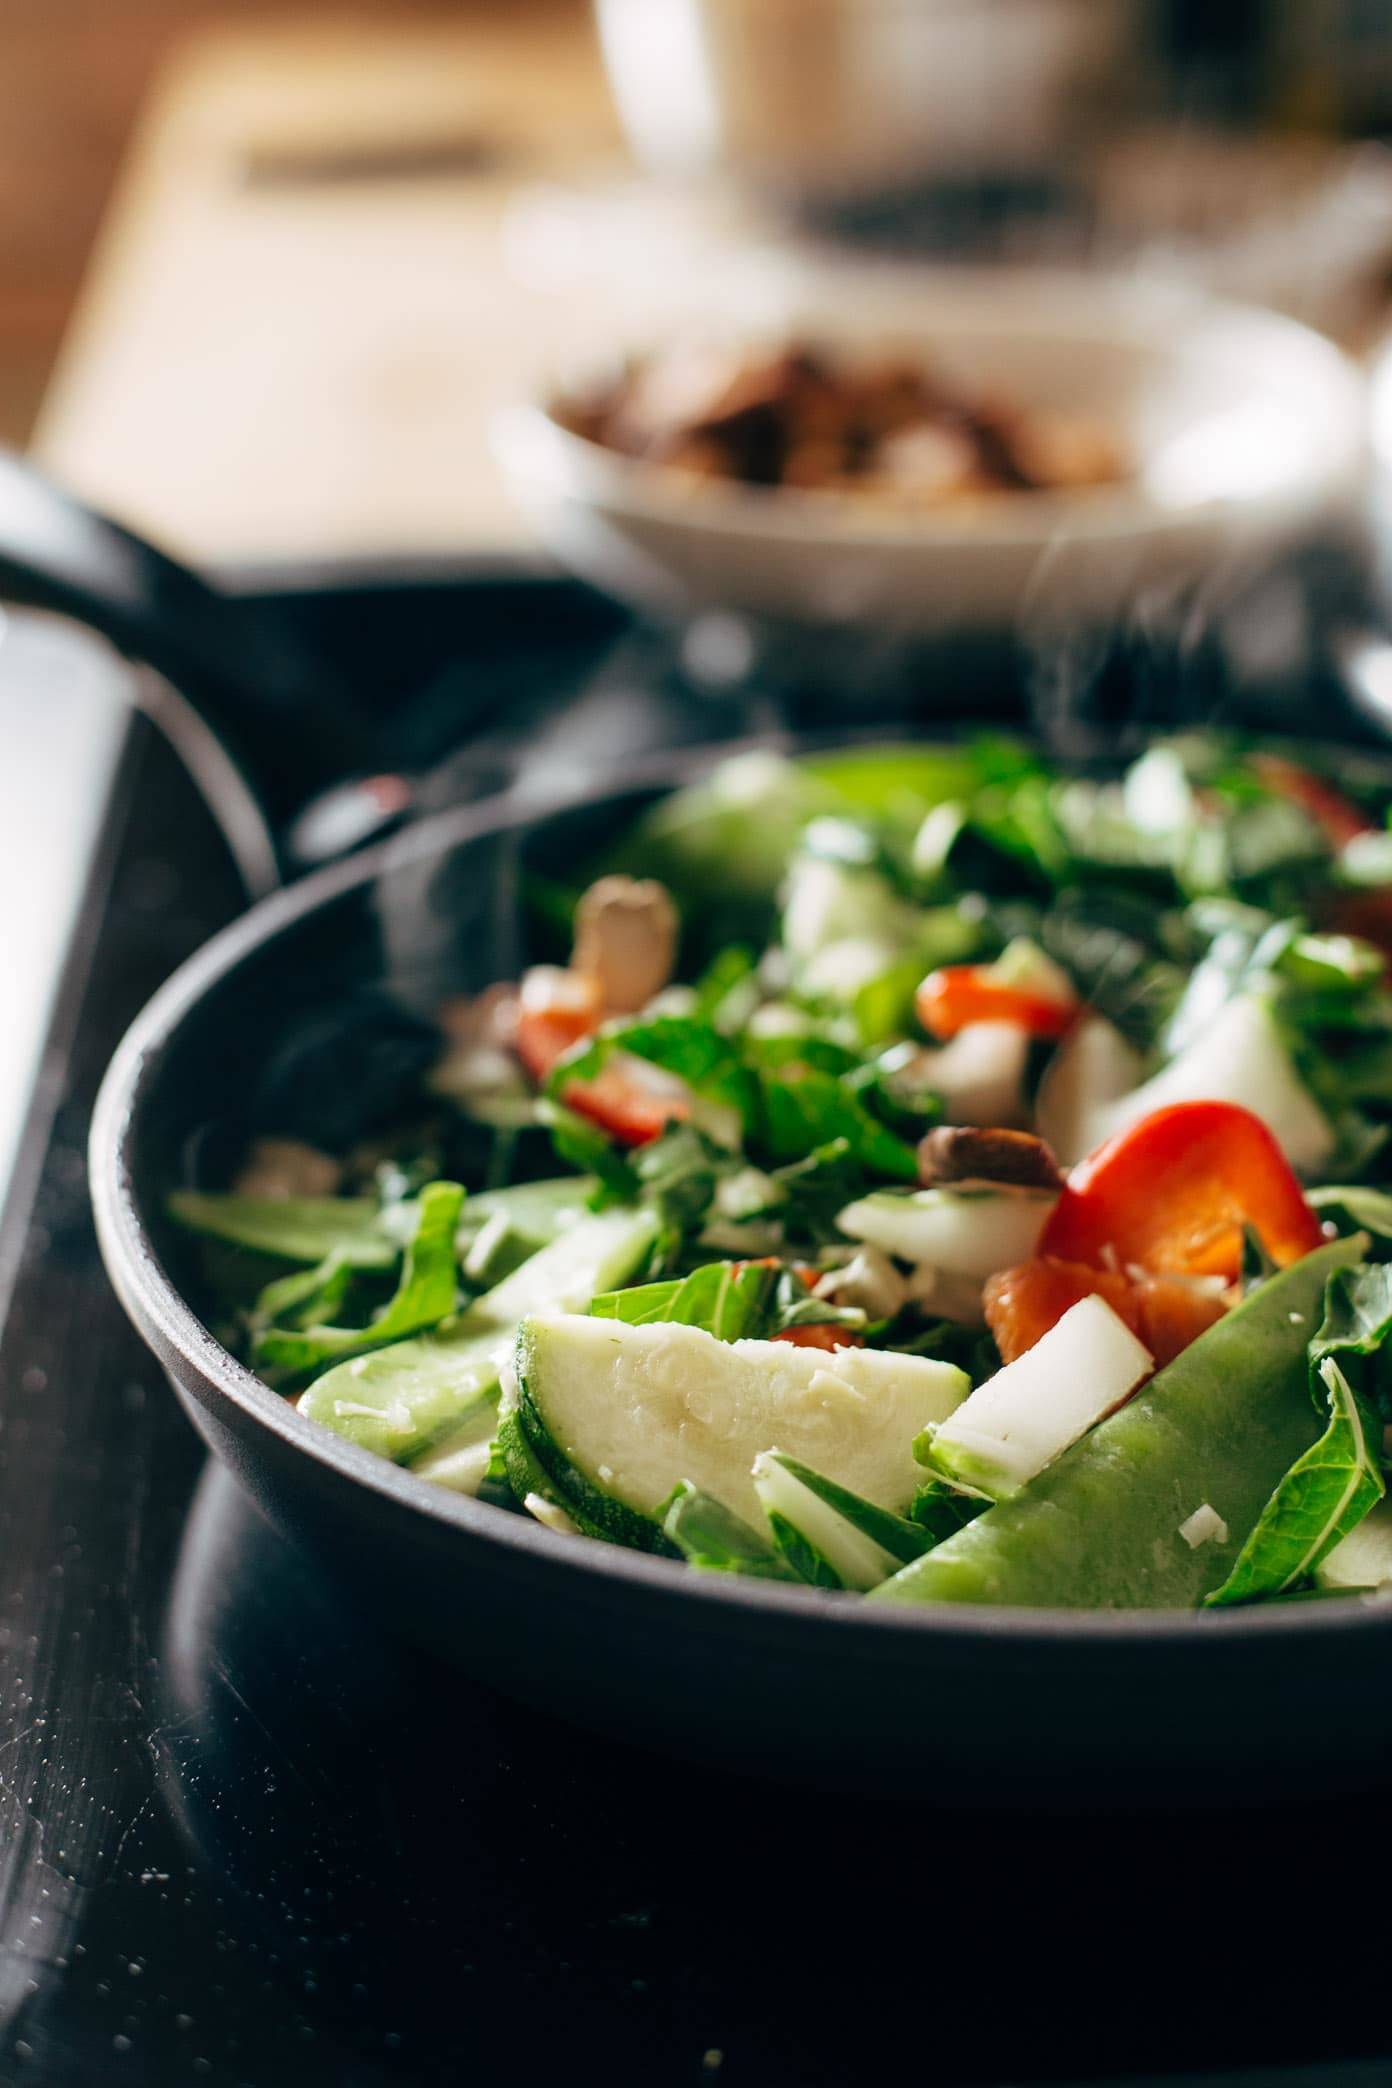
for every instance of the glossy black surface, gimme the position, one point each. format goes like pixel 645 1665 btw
pixel 245 1838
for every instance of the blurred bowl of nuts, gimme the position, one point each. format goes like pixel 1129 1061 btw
pixel 933 453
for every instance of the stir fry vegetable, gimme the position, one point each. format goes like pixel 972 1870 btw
pixel 928 1175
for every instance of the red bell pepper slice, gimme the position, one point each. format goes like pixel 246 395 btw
pixel 1173 1192
pixel 958 994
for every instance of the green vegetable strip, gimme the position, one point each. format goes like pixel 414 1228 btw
pixel 294 1228
pixel 426 1294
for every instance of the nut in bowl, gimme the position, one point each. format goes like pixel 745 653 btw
pixel 954 446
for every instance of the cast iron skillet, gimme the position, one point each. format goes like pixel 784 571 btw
pixel 1006 1705
pixel 315 1008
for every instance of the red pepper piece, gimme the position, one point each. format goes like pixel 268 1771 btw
pixel 1173 1192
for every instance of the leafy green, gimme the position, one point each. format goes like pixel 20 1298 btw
pixel 1329 1490
pixel 425 1294
pixel 788 1104
pixel 692 1050
pixel 812 1190
pixel 712 1536
pixel 802 1111
pixel 584 1146
pixel 293 1228
pixel 728 1299
pixel 1353 1209
pixel 896 1534
pixel 677 1174
pixel 735 1301
pixel 1323 1496
pixel 941 1510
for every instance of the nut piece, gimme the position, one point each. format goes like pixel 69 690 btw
pixel 283 1167
pixel 626 940
pixel 962 1153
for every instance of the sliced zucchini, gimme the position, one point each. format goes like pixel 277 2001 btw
pixel 404 1401
pixel 619 1415
pixel 967 1232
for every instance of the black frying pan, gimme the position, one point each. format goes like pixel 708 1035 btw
pixel 1023 1707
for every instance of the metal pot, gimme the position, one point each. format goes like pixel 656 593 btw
pixel 838 98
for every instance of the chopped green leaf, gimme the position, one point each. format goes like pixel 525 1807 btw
pixel 1329 1490
pixel 294 1228
pixel 425 1294
pixel 712 1536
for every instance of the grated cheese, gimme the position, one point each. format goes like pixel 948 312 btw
pixel 1203 1524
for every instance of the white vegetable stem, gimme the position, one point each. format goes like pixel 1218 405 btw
pixel 1238 1058
pixel 963 1232
pixel 1021 1419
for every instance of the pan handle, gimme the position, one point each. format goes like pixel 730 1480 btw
pixel 216 665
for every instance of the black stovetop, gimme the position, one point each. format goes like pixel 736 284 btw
pixel 246 1841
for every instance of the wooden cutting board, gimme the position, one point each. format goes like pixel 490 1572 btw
pixel 302 314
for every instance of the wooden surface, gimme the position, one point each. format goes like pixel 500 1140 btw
pixel 338 246
pixel 301 316
pixel 74 75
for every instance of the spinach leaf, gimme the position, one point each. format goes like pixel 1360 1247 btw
pixel 791 1094
pixel 735 1301
pixel 1329 1490
pixel 696 1052
pixel 583 1145
pixel 677 1174
pixel 303 1297
pixel 806 1109
pixel 814 1189
pixel 1323 1496
pixel 728 1299
pixel 940 1510
pixel 426 1293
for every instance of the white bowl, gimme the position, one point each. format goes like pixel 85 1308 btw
pixel 1247 429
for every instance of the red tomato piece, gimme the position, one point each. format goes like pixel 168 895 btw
pixel 1164 1312
pixel 1023 1303
pixel 1173 1192
pixel 821 1334
pixel 1338 818
pixel 555 1010
pixel 961 993
pixel 631 1113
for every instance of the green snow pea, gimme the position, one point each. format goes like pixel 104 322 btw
pixel 1219 1427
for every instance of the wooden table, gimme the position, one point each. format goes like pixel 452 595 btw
pixel 317 283
pixel 301 318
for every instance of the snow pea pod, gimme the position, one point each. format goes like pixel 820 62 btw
pixel 1101 1529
